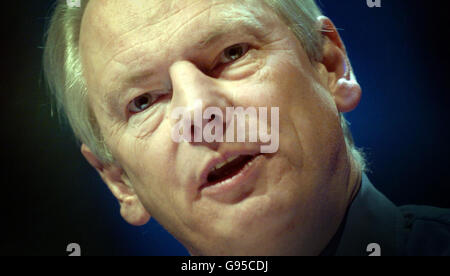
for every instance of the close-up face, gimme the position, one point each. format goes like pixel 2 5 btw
pixel 143 59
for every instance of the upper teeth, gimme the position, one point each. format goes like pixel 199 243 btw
pixel 220 165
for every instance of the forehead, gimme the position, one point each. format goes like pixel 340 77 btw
pixel 109 24
pixel 108 20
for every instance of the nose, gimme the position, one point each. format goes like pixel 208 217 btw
pixel 194 92
pixel 190 85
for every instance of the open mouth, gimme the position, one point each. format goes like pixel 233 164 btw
pixel 227 169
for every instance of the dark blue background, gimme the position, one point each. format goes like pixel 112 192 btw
pixel 51 197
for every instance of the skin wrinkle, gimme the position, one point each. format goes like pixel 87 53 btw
pixel 124 123
pixel 114 41
pixel 149 24
pixel 193 18
pixel 186 223
pixel 110 131
pixel 115 57
pixel 280 204
pixel 228 22
pixel 260 74
pixel 114 130
pixel 114 91
pixel 131 62
pixel 257 63
pixel 144 121
pixel 181 26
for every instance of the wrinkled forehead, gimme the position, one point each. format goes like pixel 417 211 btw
pixel 108 23
pixel 107 20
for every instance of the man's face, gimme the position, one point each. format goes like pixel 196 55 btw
pixel 173 53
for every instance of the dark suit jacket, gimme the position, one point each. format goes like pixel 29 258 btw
pixel 374 225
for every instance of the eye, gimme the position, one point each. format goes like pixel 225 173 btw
pixel 233 53
pixel 141 103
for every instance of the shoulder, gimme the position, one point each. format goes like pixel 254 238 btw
pixel 426 230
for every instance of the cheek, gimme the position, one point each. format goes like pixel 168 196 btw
pixel 317 124
pixel 136 154
pixel 151 162
pixel 309 121
pixel 148 168
pixel 145 157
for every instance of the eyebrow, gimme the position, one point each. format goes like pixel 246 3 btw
pixel 218 31
pixel 137 78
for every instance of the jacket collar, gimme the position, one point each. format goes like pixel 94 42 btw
pixel 371 218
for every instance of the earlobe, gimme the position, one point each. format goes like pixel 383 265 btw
pixel 133 211
pixel 131 207
pixel 347 95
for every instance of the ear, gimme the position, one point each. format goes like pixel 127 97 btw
pixel 336 70
pixel 131 207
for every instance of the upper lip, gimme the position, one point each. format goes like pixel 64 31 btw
pixel 222 158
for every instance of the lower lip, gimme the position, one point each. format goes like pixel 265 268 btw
pixel 245 175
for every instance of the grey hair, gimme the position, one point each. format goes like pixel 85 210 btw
pixel 64 74
pixel 63 69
